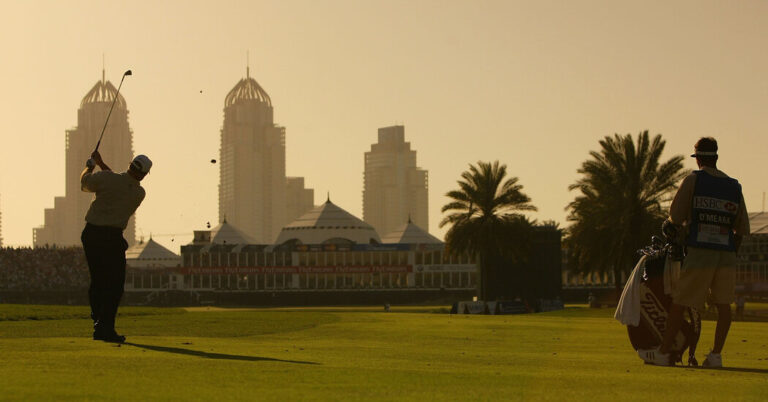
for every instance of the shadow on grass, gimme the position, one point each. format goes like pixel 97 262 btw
pixel 734 369
pixel 207 355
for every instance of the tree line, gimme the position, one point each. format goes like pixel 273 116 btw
pixel 621 199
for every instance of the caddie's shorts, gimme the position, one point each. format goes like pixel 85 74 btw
pixel 706 270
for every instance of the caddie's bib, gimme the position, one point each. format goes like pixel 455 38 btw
pixel 713 215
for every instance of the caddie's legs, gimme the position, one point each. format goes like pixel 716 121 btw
pixel 674 322
pixel 723 325
pixel 696 275
pixel 723 293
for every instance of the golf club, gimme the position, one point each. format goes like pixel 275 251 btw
pixel 110 109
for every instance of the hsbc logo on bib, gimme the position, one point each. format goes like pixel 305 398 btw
pixel 715 204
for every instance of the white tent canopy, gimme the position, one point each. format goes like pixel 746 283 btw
pixel 225 233
pixel 410 234
pixel 151 254
pixel 328 223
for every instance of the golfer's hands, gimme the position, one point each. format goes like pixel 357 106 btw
pixel 96 156
pixel 90 164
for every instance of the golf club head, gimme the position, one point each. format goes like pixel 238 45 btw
pixel 127 72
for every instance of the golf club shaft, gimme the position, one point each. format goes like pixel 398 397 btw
pixel 117 95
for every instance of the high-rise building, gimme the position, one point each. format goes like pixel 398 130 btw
pixel 299 200
pixel 64 222
pixel 253 188
pixel 395 189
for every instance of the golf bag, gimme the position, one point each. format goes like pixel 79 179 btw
pixel 653 303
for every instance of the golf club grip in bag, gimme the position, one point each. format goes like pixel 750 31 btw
pixel 654 308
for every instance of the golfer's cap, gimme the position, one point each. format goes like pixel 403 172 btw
pixel 706 146
pixel 141 163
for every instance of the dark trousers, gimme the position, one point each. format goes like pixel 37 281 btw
pixel 105 252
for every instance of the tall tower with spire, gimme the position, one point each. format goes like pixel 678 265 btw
pixel 65 221
pixel 253 188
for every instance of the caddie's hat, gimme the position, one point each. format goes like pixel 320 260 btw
pixel 705 146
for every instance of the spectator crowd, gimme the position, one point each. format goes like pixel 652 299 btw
pixel 43 269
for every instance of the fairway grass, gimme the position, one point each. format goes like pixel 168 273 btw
pixel 360 353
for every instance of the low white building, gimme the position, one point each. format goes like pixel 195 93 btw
pixel 327 249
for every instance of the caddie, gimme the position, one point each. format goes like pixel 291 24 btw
pixel 118 195
pixel 710 207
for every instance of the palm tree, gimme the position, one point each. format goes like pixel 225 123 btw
pixel 624 191
pixel 485 218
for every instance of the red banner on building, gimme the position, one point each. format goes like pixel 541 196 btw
pixel 341 269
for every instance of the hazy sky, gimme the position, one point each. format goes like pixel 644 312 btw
pixel 533 84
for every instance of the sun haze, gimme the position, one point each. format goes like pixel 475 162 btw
pixel 534 85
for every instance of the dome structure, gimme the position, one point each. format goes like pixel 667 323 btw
pixel 103 92
pixel 247 89
pixel 326 224
pixel 410 234
pixel 151 254
pixel 225 233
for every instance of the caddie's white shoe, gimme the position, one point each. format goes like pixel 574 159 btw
pixel 653 356
pixel 713 360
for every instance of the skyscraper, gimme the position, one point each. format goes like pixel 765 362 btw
pixel 394 187
pixel 299 200
pixel 64 222
pixel 253 188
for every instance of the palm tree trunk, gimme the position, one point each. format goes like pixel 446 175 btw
pixel 483 266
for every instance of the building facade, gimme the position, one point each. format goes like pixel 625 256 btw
pixel 395 189
pixel 329 267
pixel 253 187
pixel 325 256
pixel 64 222
pixel 752 271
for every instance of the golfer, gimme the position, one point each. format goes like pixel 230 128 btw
pixel 710 207
pixel 118 195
